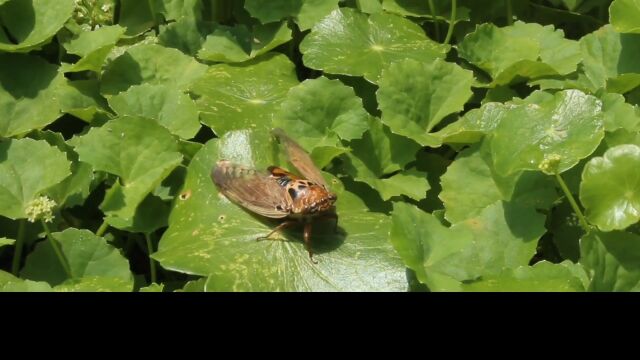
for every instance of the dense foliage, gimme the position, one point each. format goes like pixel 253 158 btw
pixel 475 145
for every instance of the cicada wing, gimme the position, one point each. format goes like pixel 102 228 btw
pixel 254 190
pixel 300 158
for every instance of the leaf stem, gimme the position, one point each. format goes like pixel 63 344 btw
pixel 509 12
pixel 17 255
pixel 103 227
pixel 452 22
pixel 152 264
pixel 57 250
pixel 432 8
pixel 583 222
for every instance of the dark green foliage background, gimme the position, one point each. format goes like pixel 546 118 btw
pixel 474 145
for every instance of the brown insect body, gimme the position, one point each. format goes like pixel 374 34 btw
pixel 277 193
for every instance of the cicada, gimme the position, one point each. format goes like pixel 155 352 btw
pixel 277 193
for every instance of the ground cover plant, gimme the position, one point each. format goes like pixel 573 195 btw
pixel 474 145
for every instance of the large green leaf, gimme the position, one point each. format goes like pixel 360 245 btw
pixel 29 92
pixel 321 112
pixel 93 47
pixel 501 236
pixel 304 12
pixel 610 59
pixel 473 125
pixel 165 104
pixel 543 276
pixel 521 50
pixel 150 64
pixel 238 43
pixel 138 16
pixel 139 151
pixel 74 189
pixel 82 99
pixel 27 168
pixel 610 188
pixel 10 283
pixel 234 97
pixel 612 260
pixel 208 235
pixel 624 15
pixel 618 114
pixel 89 257
pixel 380 153
pixel 559 129
pixel 32 23
pixel 414 97
pixel 351 43
pixel 469 186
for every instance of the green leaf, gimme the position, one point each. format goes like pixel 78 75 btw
pixel 93 47
pixel 185 35
pixel 10 283
pixel 153 288
pixel 238 43
pixel 612 260
pixel 82 99
pixel 139 151
pixel 473 125
pixel 501 236
pixel 28 167
pixel 521 50
pixel 610 59
pixel 95 284
pixel 4 241
pixel 321 112
pixel 369 6
pixel 610 188
pixel 348 42
pixel 470 185
pixel 165 104
pixel 74 189
pixel 624 15
pixel 565 128
pixel 151 214
pixel 619 114
pixel 32 23
pixel 543 277
pixel 150 64
pixel 90 259
pixel 29 89
pixel 244 96
pixel 209 235
pixel 304 12
pixel 380 153
pixel 414 97
pixel 420 8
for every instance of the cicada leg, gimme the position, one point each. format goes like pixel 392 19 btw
pixel 331 216
pixel 307 240
pixel 280 227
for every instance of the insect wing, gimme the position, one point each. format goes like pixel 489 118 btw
pixel 254 190
pixel 300 159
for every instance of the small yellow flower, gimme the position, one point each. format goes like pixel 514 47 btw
pixel 40 208
pixel 550 164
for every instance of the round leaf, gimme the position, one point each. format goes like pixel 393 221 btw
pixel 89 257
pixel 208 235
pixel 414 97
pixel 27 168
pixel 29 92
pixel 351 43
pixel 139 151
pixel 10 283
pixel 320 112
pixel 624 15
pixel 305 12
pixel 611 260
pixel 610 188
pixel 244 96
pixel 150 64
pixel 565 128
pixel 93 47
pixel 165 104
pixel 32 23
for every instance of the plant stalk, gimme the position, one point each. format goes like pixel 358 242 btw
pixel 57 250
pixel 583 221
pixel 432 8
pixel 152 263
pixel 17 255
pixel 452 22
